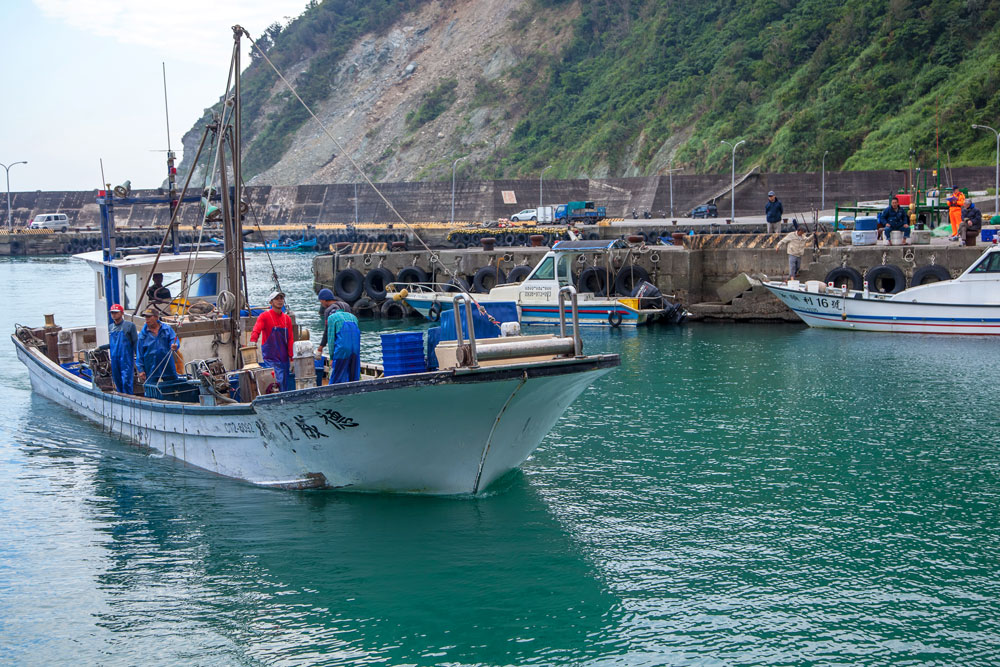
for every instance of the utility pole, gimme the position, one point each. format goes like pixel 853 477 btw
pixel 996 177
pixel 453 165
pixel 732 187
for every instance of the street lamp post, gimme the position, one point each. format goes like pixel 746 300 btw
pixel 453 165
pixel 670 173
pixel 996 178
pixel 732 186
pixel 7 169
pixel 541 201
pixel 822 206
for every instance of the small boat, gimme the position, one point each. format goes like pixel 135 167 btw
pixel 537 295
pixel 282 245
pixel 968 304
pixel 399 428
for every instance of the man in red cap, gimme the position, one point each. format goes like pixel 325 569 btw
pixel 122 337
pixel 274 328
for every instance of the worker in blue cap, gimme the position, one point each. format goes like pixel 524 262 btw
pixel 343 333
pixel 328 303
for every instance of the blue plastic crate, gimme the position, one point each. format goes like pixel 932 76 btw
pixel 182 391
pixel 866 224
pixel 389 370
pixel 988 235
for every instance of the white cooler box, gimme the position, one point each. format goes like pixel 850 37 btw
pixel 866 237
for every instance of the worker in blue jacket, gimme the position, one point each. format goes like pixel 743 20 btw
pixel 345 350
pixel 896 219
pixel 154 353
pixel 122 339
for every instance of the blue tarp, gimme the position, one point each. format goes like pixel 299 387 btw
pixel 502 311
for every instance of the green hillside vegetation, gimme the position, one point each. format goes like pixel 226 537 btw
pixel 865 80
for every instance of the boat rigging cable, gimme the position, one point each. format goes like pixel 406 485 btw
pixel 434 257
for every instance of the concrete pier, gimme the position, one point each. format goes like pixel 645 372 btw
pixel 700 273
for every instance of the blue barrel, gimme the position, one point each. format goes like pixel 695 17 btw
pixel 403 353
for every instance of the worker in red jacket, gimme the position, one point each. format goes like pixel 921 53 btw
pixel 274 328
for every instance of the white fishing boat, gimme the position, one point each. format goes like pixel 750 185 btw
pixel 454 430
pixel 537 295
pixel 968 304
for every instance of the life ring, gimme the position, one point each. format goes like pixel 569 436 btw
pixel 886 278
pixel 615 319
pixel 349 285
pixel 518 274
pixel 628 277
pixel 487 278
pixel 392 310
pixel 843 275
pixel 593 279
pixel 411 275
pixel 931 273
pixel 434 314
pixel 376 281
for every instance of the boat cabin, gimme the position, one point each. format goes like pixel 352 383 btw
pixel 555 271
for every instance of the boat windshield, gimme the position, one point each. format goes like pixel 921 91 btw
pixel 550 270
pixel 989 264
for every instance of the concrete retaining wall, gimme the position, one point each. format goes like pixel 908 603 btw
pixel 489 200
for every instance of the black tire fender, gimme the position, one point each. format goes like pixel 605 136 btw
pixel 411 275
pixel 392 310
pixel 458 284
pixel 376 281
pixel 593 279
pixel 931 273
pixel 434 313
pixel 364 307
pixel 843 275
pixel 628 277
pixel 487 278
pixel 615 319
pixel 518 274
pixel 349 285
pixel 887 278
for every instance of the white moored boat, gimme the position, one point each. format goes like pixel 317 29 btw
pixel 537 294
pixel 968 304
pixel 454 430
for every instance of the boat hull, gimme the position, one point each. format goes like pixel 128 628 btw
pixel 433 433
pixel 590 313
pixel 858 313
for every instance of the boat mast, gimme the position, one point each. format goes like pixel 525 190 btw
pixel 238 32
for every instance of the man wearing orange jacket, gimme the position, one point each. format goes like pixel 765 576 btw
pixel 955 203
pixel 274 328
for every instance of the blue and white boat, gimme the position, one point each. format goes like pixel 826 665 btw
pixel 537 295
pixel 966 305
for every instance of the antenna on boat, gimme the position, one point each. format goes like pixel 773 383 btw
pixel 171 169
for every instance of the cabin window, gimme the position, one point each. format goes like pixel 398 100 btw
pixel 129 293
pixel 544 270
pixel 205 284
pixel 565 270
pixel 989 264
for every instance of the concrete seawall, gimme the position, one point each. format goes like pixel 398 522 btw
pixel 489 200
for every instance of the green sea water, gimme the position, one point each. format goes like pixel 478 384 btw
pixel 731 495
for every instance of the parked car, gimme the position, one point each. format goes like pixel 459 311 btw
pixel 704 211
pixel 526 214
pixel 57 221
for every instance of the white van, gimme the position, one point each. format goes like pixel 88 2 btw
pixel 57 221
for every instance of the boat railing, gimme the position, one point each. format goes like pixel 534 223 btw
pixel 577 342
pixel 516 347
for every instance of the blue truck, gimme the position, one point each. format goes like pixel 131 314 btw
pixel 580 211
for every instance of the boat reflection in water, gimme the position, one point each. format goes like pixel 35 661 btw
pixel 192 567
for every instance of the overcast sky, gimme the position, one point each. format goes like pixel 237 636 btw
pixel 83 81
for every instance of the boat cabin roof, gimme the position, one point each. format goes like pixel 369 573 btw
pixel 588 246
pixel 168 263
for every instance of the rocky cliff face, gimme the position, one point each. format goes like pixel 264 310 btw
pixel 385 78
